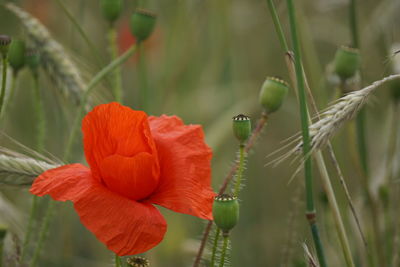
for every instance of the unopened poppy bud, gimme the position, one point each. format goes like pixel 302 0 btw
pixel 272 94
pixel 241 127
pixel 111 9
pixel 16 54
pixel 5 41
pixel 32 59
pixel 142 24
pixel 138 262
pixel 346 62
pixel 3 232
pixel 225 212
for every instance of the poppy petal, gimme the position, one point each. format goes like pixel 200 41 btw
pixel 185 162
pixel 113 130
pixel 127 227
pixel 67 182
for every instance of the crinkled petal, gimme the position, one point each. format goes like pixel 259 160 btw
pixel 126 227
pixel 185 162
pixel 112 132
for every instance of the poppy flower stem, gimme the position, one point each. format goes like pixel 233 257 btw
pixel 3 83
pixel 30 227
pixel 239 175
pixel 117 81
pixel 11 95
pixel 249 145
pixel 118 262
pixel 92 84
pixel 224 249
pixel 215 246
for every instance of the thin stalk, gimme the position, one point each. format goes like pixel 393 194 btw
pixel 249 145
pixel 215 247
pixel 118 262
pixel 3 83
pixel 39 111
pixel 144 89
pixel 96 79
pixel 224 249
pixel 43 233
pixel 277 24
pixel 117 81
pixel 1 251
pixel 30 227
pixel 85 37
pixel 239 175
pixel 310 208
pixel 12 92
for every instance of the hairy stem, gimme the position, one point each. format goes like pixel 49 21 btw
pixel 118 262
pixel 224 249
pixel 215 247
pixel 310 208
pixel 239 174
pixel 3 83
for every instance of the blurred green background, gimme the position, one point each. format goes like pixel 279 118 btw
pixel 205 63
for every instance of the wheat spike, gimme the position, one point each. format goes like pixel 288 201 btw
pixel 19 171
pixel 55 59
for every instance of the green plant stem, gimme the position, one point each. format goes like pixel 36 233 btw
pixel 144 89
pixel 39 111
pixel 43 233
pixel 30 227
pixel 215 247
pixel 277 24
pixel 224 249
pixel 97 79
pixel 117 81
pixel 118 262
pixel 1 252
pixel 310 209
pixel 239 174
pixel 3 83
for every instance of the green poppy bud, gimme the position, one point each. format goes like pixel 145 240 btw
pixel 272 94
pixel 142 24
pixel 16 54
pixel 241 127
pixel 3 232
pixel 346 62
pixel 32 59
pixel 225 212
pixel 5 41
pixel 138 262
pixel 111 9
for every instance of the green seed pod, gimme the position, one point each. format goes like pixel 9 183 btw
pixel 142 24
pixel 241 127
pixel 225 212
pixel 138 262
pixel 16 54
pixel 394 86
pixel 5 41
pixel 346 62
pixel 111 9
pixel 272 94
pixel 32 60
pixel 3 232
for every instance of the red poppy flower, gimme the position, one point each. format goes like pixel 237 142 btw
pixel 135 161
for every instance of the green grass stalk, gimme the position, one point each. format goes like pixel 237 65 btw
pixel 97 79
pixel 277 25
pixel 215 247
pixel 3 83
pixel 224 249
pixel 116 81
pixel 310 208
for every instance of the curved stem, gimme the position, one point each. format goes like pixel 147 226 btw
pixel 99 76
pixel 224 249
pixel 117 81
pixel 239 174
pixel 3 83
pixel 215 247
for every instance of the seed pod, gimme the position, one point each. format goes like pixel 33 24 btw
pixel 142 24
pixel 5 41
pixel 111 9
pixel 272 94
pixel 32 60
pixel 241 127
pixel 16 54
pixel 225 212
pixel 346 62
pixel 138 262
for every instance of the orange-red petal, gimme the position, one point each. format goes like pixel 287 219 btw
pixel 127 227
pixel 185 162
pixel 112 132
